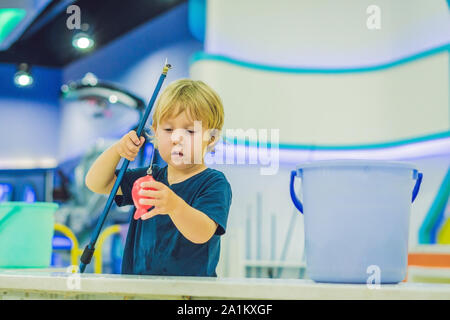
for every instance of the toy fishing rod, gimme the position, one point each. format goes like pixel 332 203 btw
pixel 90 248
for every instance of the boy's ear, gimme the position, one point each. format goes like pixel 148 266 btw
pixel 213 136
pixel 212 144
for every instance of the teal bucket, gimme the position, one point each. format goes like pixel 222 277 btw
pixel 26 232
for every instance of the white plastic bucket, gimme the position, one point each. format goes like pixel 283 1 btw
pixel 356 219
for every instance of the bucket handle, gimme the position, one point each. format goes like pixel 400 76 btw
pixel 299 205
pixel 417 186
pixel 8 215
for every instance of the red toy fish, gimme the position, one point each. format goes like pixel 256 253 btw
pixel 142 209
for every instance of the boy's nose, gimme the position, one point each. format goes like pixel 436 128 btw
pixel 177 136
pixel 177 139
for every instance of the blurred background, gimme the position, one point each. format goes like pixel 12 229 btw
pixel 339 79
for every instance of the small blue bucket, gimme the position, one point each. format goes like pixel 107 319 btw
pixel 356 219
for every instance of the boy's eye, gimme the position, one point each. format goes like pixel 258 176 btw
pixel 169 130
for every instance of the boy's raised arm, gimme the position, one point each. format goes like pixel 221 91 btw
pixel 100 177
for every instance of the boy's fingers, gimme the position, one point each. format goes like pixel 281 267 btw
pixel 151 213
pixel 132 147
pixel 134 138
pixel 153 184
pixel 147 215
pixel 159 211
pixel 150 193
pixel 129 154
pixel 148 202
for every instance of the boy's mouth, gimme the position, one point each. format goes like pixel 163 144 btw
pixel 177 153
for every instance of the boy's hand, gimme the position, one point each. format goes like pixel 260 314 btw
pixel 128 146
pixel 164 199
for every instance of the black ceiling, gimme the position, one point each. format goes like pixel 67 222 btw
pixel 48 41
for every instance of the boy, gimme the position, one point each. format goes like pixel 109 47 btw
pixel 179 235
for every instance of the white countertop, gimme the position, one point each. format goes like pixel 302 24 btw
pixel 57 284
pixel 431 248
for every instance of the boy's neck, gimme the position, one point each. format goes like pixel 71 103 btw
pixel 175 175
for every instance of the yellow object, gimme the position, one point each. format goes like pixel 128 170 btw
pixel 444 234
pixel 101 239
pixel 76 252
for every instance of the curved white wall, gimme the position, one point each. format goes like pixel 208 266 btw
pixel 325 33
pixel 398 103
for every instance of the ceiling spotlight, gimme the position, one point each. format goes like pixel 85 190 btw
pixel 23 77
pixel 89 79
pixel 113 98
pixel 82 41
pixel 65 88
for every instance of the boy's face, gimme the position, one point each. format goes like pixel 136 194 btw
pixel 180 141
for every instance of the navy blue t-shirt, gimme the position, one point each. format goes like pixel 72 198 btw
pixel 155 246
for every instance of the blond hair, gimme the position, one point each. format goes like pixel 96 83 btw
pixel 198 99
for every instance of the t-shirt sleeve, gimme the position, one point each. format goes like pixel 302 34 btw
pixel 129 177
pixel 215 201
